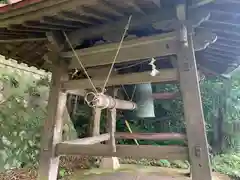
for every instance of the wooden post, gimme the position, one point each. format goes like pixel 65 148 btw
pixel 112 128
pixel 52 133
pixel 193 112
pixel 111 162
pixel 53 126
pixel 96 118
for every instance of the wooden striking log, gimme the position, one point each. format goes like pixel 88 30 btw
pixel 104 101
pixel 165 75
pixel 150 136
pixel 89 140
pixel 142 151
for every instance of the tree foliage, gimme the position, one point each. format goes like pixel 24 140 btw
pixel 21 118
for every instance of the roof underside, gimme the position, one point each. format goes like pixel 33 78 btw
pixel 99 22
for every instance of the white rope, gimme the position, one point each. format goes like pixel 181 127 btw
pixel 118 50
pixel 133 93
pixel 79 61
pixel 95 95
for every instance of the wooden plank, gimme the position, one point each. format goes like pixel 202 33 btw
pixel 145 47
pixel 34 7
pixel 136 49
pixel 193 112
pixel 9 40
pixel 59 22
pixel 218 53
pixel 196 18
pixel 77 17
pixel 165 95
pixel 89 140
pixel 165 75
pixel 142 151
pixel 164 15
pixel 151 136
pixel 46 26
pixel 46 11
pixel 20 28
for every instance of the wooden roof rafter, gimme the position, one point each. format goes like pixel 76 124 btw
pixel 89 19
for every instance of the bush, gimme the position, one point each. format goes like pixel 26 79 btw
pixel 20 121
pixel 228 164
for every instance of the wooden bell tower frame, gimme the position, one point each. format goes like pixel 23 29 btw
pixel 52 146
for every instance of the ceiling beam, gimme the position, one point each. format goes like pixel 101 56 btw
pixel 46 11
pixel 39 25
pixel 224 51
pixel 163 15
pixel 163 19
pixel 221 56
pixel 224 48
pixel 136 49
pixel 165 75
pixel 197 17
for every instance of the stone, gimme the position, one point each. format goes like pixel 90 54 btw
pixel 110 163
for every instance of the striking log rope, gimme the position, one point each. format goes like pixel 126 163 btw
pixel 95 95
pixel 118 50
pixel 79 61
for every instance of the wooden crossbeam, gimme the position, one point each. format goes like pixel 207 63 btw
pixel 151 136
pixel 165 75
pixel 136 49
pixel 165 95
pixel 89 140
pixel 142 151
pixel 9 40
pixel 141 48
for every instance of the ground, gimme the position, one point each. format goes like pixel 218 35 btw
pixel 126 172
pixel 137 172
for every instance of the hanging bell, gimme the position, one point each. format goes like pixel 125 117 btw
pixel 144 101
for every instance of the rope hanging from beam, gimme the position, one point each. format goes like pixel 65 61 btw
pixel 95 96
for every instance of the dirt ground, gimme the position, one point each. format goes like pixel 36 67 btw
pixel 136 172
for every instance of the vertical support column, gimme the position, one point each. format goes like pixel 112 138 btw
pixel 96 118
pixel 112 128
pixel 53 125
pixel 52 132
pixel 111 162
pixel 193 112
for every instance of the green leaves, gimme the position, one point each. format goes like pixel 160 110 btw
pixel 20 124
